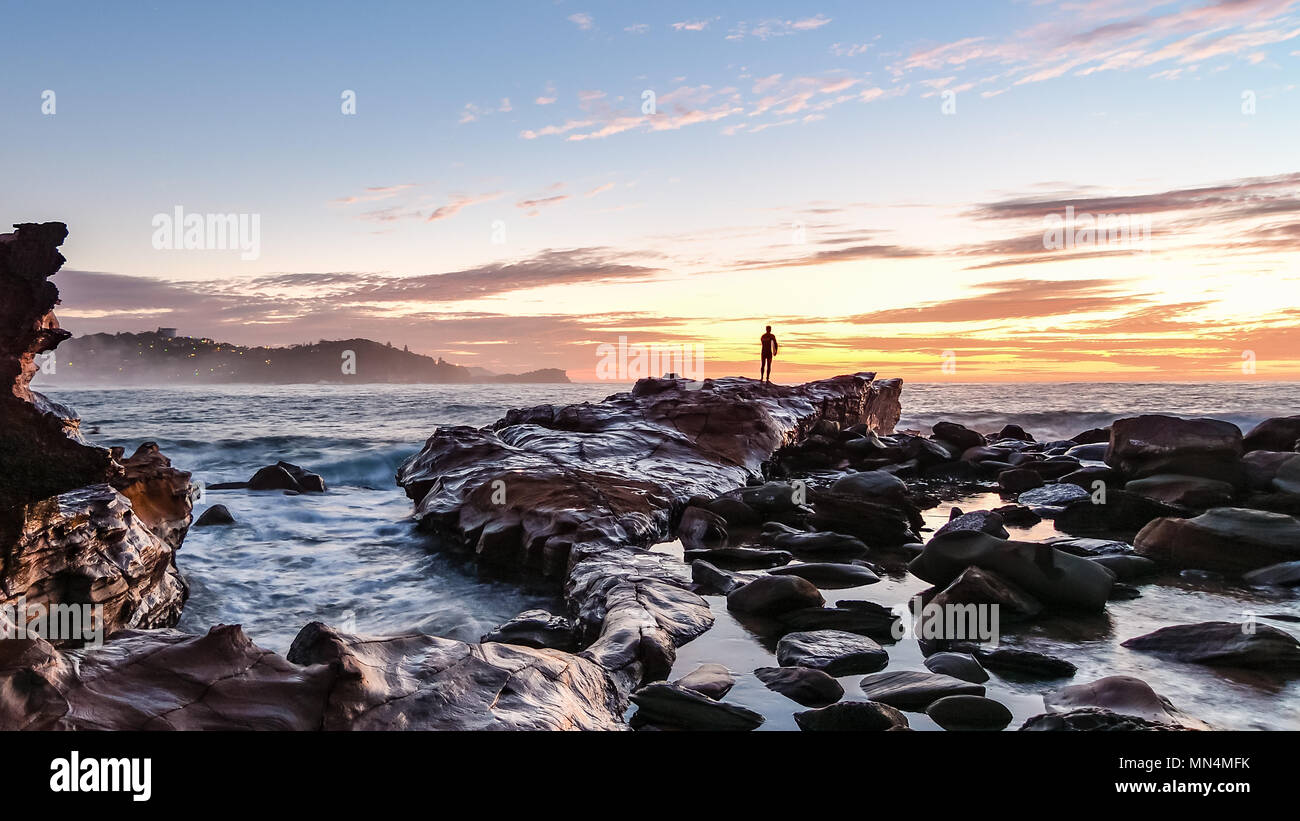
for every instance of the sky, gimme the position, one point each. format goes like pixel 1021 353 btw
pixel 896 187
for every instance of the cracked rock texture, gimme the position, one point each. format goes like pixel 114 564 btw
pixel 578 492
pixel 168 680
pixel 78 524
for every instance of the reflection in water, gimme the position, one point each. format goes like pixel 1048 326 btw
pixel 1226 699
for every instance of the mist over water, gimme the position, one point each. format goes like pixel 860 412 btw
pixel 353 555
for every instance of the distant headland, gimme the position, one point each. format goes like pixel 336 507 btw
pixel 164 357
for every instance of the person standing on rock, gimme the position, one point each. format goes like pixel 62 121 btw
pixel 769 351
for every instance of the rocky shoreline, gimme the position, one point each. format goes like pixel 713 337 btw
pixel 643 509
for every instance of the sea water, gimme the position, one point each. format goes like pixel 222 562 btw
pixel 353 555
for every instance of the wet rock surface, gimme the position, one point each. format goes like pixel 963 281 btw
pixel 1153 444
pixel 772 595
pixel 578 492
pixel 1093 719
pixel 79 525
pixel 712 680
pixel 537 629
pixel 914 690
pixel 672 705
pixel 168 680
pixel 1231 540
pixel 958 665
pixel 809 687
pixel 1225 644
pixel 969 712
pixel 1125 695
pixel 834 652
pixel 772 493
pixel 1045 573
pixel 852 716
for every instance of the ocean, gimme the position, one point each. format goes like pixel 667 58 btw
pixel 353 557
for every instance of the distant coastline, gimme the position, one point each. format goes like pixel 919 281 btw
pixel 163 357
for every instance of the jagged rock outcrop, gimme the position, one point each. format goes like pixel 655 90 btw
pixel 169 680
pixel 577 492
pixel 78 524
pixel 88 546
pixel 40 455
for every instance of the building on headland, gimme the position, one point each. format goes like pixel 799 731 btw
pixel 167 333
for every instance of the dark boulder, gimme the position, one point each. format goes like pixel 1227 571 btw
pixel 1127 567
pixel 913 690
pixel 852 716
pixel 1092 436
pixel 1018 480
pixel 1117 514
pixel 871 484
pixel 1052 576
pixel 1014 432
pixel 215 516
pixel 1025 664
pixel 715 578
pixel 769 595
pixel 1286 574
pixel 805 685
pixel 969 712
pixel 1281 433
pixel 830 575
pixel 958 665
pixel 1092 719
pixel 1183 491
pixel 978 521
pixel 536 629
pixel 1094 452
pixel 1152 444
pixel 286 476
pixel 712 680
pixel 1223 644
pixel 959 436
pixel 834 652
pixel 862 617
pixel 1225 539
pixel 671 705
pixel 976 585
pixel 1125 695
pixel 1052 498
pixel 819 542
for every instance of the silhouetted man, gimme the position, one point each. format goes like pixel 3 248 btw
pixel 769 351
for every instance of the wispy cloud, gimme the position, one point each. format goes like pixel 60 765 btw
pixel 1090 37
pixel 459 203
pixel 767 29
pixel 374 193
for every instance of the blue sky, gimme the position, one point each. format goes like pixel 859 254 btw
pixel 784 135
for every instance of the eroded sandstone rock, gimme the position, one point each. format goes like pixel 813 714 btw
pixel 169 680
pixel 80 525
pixel 578 492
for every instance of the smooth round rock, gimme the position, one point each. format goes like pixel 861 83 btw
pixel 216 515
pixel 712 680
pixel 958 665
pixel 969 713
pixel 834 652
pixel 774 594
pixel 809 687
pixel 830 575
pixel 852 716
